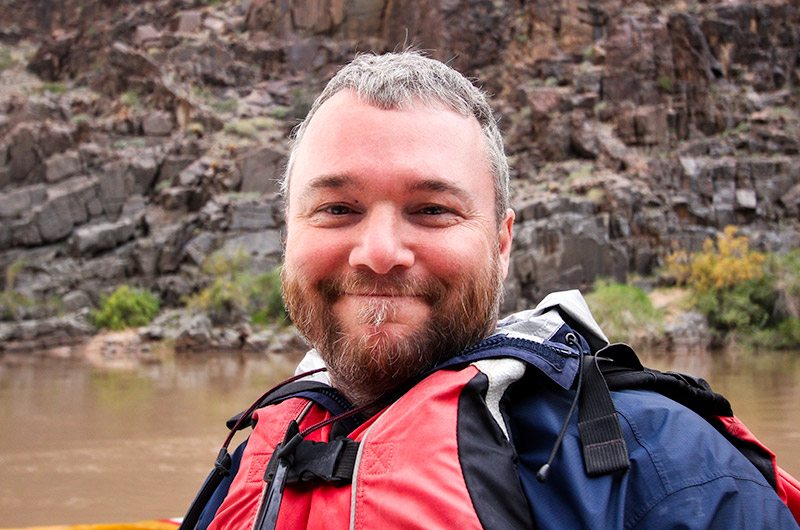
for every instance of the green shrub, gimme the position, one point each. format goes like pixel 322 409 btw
pixel 81 118
pixel 224 104
pixel 7 60
pixel 235 292
pixel 126 308
pixel 624 311
pixel 281 112
pixel 269 299
pixel 243 128
pixel 130 99
pixel 744 307
pixel 13 304
pixel 744 294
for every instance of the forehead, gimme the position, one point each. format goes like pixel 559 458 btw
pixel 347 137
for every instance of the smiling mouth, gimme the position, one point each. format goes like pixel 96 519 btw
pixel 385 295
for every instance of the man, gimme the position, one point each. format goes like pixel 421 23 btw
pixel 398 240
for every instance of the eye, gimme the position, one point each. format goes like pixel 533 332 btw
pixel 338 209
pixel 333 215
pixel 435 216
pixel 432 210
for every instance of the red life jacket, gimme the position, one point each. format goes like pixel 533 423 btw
pixel 453 471
pixel 411 472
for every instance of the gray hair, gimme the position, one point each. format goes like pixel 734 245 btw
pixel 394 81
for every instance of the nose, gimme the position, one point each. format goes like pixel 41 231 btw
pixel 381 246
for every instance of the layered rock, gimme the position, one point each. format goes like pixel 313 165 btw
pixel 157 136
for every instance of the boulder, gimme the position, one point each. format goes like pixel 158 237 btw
pixel 252 216
pixel 172 166
pixel 158 123
pixel 264 247
pixel 145 257
pixel 193 174
pixel 115 186
pixel 22 156
pixel 142 169
pixel 145 35
pixel 584 137
pixel 791 200
pixel 170 241
pixel 43 334
pixel 689 332
pixel 25 233
pixel 200 247
pixel 65 207
pixel 100 237
pixel 129 62
pixel 187 21
pixel 194 333
pixel 54 137
pixel 76 300
pixel 216 25
pixel 21 200
pixel 261 169
pixel 109 269
pixel 746 199
pixel 62 165
pixel 175 199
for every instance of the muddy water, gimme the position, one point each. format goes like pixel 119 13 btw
pixel 86 445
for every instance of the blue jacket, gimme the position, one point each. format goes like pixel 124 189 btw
pixel 683 473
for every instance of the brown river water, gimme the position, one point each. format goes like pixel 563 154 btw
pixel 82 444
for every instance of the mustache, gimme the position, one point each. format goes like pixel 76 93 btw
pixel 369 283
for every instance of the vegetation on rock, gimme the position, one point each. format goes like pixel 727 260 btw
pixel 745 294
pixel 235 292
pixel 126 135
pixel 125 308
pixel 625 312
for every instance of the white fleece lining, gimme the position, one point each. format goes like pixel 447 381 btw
pixel 501 374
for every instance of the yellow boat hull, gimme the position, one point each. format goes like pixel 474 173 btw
pixel 141 525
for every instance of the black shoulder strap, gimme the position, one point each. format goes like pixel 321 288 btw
pixel 622 370
pixel 320 393
pixel 618 368
pixel 602 442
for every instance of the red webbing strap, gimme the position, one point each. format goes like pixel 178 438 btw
pixel 788 487
pixel 791 487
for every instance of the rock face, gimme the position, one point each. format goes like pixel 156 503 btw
pixel 156 135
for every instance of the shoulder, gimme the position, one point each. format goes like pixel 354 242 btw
pixel 677 445
pixel 683 472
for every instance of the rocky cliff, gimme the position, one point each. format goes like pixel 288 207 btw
pixel 137 138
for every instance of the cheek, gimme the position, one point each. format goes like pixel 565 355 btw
pixel 316 255
pixel 454 256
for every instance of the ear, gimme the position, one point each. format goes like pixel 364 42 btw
pixel 504 238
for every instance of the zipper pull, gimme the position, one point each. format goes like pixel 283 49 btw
pixel 274 483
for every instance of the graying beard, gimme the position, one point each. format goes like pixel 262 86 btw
pixel 377 312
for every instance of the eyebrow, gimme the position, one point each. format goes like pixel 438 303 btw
pixel 330 182
pixel 327 182
pixel 437 185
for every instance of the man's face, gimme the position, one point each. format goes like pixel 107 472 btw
pixel 394 258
